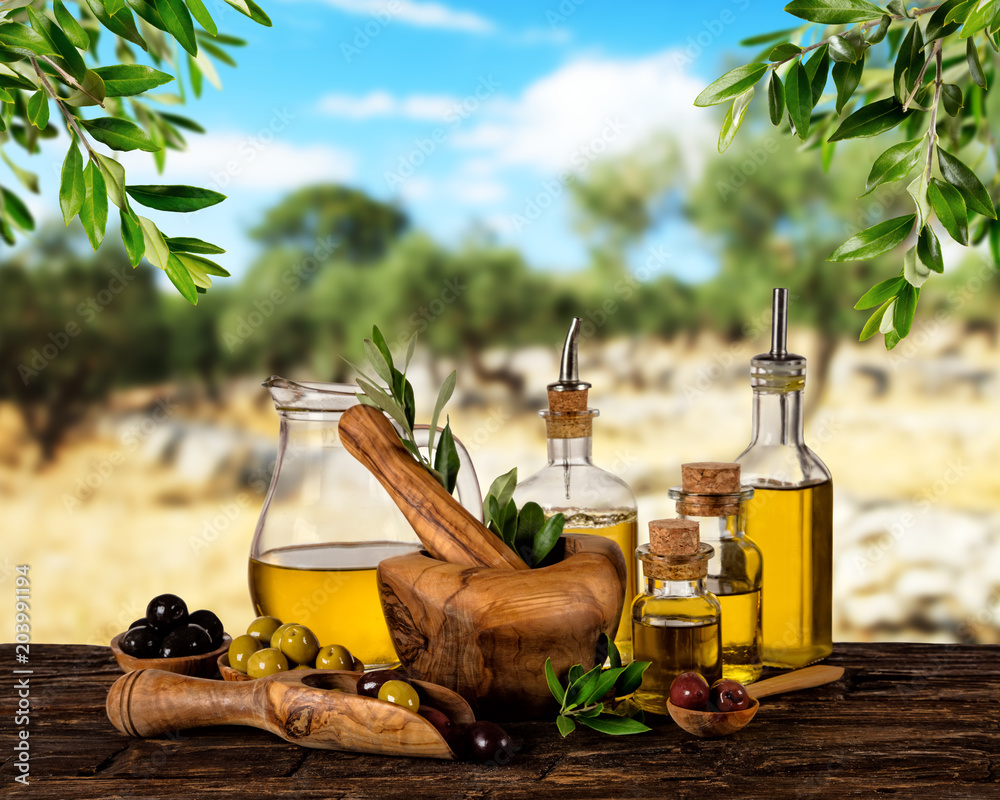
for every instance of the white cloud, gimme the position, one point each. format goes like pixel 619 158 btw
pixel 225 160
pixel 419 14
pixel 383 104
pixel 478 192
pixel 589 107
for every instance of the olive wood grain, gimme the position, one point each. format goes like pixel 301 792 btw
pixel 298 706
pixel 805 678
pixel 485 633
pixel 448 531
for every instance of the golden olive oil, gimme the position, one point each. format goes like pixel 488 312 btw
pixel 740 631
pixel 673 646
pixel 793 527
pixel 621 527
pixel 330 588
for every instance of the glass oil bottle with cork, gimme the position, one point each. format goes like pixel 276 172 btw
pixel 593 500
pixel 676 622
pixel 710 495
pixel 790 517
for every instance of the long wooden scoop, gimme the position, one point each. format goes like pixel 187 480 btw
pixel 448 531
pixel 300 706
pixel 711 724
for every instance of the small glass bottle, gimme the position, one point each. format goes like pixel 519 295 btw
pixel 676 622
pixel 790 517
pixel 593 500
pixel 710 495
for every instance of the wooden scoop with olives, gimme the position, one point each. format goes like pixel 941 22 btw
pixel 727 706
pixel 325 709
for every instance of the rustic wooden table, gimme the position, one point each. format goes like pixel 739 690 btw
pixel 906 721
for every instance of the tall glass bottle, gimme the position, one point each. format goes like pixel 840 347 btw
pixel 711 496
pixel 676 622
pixel 790 517
pixel 593 500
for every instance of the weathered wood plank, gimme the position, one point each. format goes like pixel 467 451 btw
pixel 907 721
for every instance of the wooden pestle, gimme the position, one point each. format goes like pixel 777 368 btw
pixel 298 706
pixel 448 531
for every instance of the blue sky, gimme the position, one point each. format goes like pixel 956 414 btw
pixel 465 112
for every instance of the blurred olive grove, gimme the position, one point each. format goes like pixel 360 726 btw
pixel 75 326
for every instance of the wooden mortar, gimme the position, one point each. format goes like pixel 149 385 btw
pixel 468 614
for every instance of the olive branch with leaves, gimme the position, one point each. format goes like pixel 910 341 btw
pixel 936 63
pixel 49 56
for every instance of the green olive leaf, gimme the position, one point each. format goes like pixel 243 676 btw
pixel 904 310
pixel 976 196
pixel 798 98
pixel 894 164
pixel 929 249
pixel 871 120
pixel 874 241
pixel 775 99
pixel 949 207
pixel 546 538
pixel 734 119
pixel 846 78
pixel 880 293
pixel 975 65
pixel 834 12
pixel 733 83
pixel 875 320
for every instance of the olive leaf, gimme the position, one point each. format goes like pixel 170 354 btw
pixel 446 460
pixel 874 241
pixel 879 293
pixel 588 697
pixel 733 83
pixel 834 12
pixel 949 207
pixel 775 99
pixel 798 98
pixel 501 491
pixel 976 196
pixel 929 249
pixel 871 120
pixel 894 164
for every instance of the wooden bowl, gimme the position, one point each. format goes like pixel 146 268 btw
pixel 200 666
pixel 712 724
pixel 485 633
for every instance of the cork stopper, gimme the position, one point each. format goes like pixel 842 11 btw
pixel 673 537
pixel 568 416
pixel 674 552
pixel 710 489
pixel 710 477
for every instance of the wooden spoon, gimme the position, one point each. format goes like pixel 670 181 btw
pixel 711 724
pixel 448 531
pixel 300 706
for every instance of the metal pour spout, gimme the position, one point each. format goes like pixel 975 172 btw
pixel 779 322
pixel 569 365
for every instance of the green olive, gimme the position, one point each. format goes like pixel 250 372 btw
pixel 263 628
pixel 266 662
pixel 301 666
pixel 400 693
pixel 278 632
pixel 299 644
pixel 240 650
pixel 334 656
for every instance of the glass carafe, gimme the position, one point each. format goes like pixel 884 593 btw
pixel 326 523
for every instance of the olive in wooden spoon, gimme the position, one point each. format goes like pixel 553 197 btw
pixel 711 724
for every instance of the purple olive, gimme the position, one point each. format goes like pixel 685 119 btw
pixel 729 695
pixel 487 741
pixel 689 690
pixel 436 718
pixel 141 641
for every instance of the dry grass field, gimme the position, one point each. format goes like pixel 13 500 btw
pixel 160 491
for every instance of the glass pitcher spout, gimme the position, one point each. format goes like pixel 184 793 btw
pixel 326 523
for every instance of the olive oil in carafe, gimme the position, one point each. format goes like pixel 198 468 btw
pixel 793 527
pixel 330 588
pixel 621 527
pixel 673 646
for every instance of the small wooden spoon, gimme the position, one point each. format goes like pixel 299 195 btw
pixel 312 708
pixel 711 724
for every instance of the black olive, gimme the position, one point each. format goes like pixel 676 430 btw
pixel 165 612
pixel 140 642
pixel 211 623
pixel 371 682
pixel 487 741
pixel 138 622
pixel 187 640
